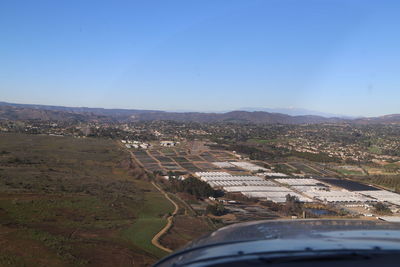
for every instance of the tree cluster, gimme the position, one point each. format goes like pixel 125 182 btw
pixel 216 209
pixel 192 186
pixel 382 208
pixel 293 205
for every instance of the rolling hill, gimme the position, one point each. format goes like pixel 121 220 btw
pixel 10 111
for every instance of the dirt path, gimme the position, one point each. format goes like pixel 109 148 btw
pixel 312 168
pixel 156 239
pixel 158 161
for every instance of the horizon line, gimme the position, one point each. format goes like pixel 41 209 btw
pixel 256 109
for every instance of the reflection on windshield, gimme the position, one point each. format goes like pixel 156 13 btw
pixel 199 133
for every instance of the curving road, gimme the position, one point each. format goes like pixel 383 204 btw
pixel 156 239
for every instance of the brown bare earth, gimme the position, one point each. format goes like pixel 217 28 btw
pixel 75 202
pixel 184 230
pixel 109 254
pixel 15 247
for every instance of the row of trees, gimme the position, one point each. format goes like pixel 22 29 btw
pixel 320 157
pixel 256 153
pixel 390 181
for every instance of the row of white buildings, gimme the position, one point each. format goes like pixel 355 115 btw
pixel 306 189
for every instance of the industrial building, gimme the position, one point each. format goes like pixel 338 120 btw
pixel 248 166
pixel 306 189
pixel 294 181
pixel 382 196
pixel 223 164
pixel 277 197
pixel 250 186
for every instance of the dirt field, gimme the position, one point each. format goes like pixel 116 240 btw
pixel 184 230
pixel 75 202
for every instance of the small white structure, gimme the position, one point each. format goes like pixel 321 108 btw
pixel 274 174
pixel 167 143
pixel 144 146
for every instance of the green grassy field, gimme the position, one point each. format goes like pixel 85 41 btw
pixel 151 218
pixel 75 202
pixel 263 141
pixel 349 172
pixel 375 149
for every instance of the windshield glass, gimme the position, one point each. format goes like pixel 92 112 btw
pixel 133 130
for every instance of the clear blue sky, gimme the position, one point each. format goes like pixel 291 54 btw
pixel 338 56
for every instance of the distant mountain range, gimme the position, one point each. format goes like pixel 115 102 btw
pixel 299 112
pixel 10 111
